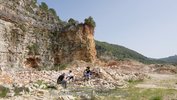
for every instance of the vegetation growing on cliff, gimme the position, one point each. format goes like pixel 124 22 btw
pixel 44 6
pixel 33 49
pixel 71 21
pixel 58 67
pixel 51 10
pixel 90 21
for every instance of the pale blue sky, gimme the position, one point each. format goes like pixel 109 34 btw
pixel 146 26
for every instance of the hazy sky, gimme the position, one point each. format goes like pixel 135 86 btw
pixel 146 26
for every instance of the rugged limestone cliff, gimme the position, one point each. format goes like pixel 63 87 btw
pixel 32 37
pixel 76 42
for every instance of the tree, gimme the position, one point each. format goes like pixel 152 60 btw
pixel 71 21
pixel 53 11
pixel 90 21
pixel 58 18
pixel 44 6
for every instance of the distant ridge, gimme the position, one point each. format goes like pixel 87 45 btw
pixel 170 59
pixel 112 51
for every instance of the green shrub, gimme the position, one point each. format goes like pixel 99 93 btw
pixel 22 27
pixel 71 21
pixel 39 82
pixel 3 91
pixel 89 21
pixel 156 98
pixel 58 18
pixel 51 10
pixel 132 82
pixel 44 6
pixel 17 90
pixel 58 67
pixel 51 87
pixel 33 49
pixel 43 85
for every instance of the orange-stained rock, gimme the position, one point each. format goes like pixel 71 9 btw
pixel 76 43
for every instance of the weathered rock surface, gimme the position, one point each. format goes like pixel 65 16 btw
pixel 32 37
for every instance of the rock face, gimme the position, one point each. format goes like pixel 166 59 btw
pixel 76 43
pixel 32 37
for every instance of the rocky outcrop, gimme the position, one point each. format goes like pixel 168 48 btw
pixel 76 43
pixel 33 37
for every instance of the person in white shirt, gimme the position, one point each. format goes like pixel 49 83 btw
pixel 70 76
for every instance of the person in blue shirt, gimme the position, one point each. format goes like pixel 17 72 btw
pixel 87 73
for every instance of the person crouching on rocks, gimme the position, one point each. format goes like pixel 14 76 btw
pixel 87 73
pixel 61 80
pixel 70 76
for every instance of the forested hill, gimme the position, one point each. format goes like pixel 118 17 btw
pixel 112 51
pixel 171 59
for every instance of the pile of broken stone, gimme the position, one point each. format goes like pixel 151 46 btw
pixel 33 84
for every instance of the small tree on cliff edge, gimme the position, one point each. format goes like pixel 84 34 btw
pixel 71 21
pixel 90 21
pixel 51 10
pixel 44 6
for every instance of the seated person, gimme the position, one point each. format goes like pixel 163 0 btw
pixel 87 73
pixel 61 80
pixel 70 76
